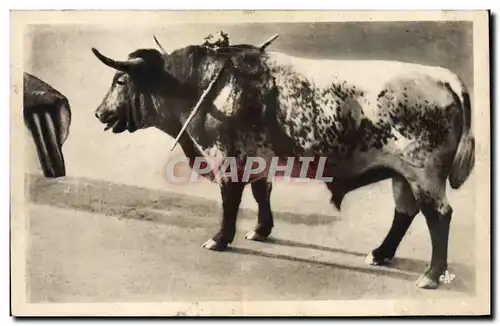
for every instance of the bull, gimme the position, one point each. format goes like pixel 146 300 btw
pixel 47 115
pixel 372 120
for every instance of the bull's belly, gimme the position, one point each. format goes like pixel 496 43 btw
pixel 345 160
pixel 324 166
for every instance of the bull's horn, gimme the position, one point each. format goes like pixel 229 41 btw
pixel 118 65
pixel 159 45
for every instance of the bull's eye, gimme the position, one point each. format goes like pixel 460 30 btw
pixel 120 82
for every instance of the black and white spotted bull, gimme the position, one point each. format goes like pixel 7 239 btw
pixel 47 115
pixel 372 120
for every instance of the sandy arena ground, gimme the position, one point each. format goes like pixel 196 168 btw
pixel 96 241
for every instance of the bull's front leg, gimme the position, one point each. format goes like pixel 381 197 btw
pixel 404 213
pixel 261 190
pixel 231 193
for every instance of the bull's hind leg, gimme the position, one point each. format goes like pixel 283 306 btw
pixel 430 194
pixel 231 193
pixel 404 213
pixel 437 212
pixel 261 190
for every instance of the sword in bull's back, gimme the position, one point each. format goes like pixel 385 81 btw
pixel 264 45
pixel 195 110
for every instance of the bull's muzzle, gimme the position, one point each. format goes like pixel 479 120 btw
pixel 104 116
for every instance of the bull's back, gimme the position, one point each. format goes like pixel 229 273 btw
pixel 325 104
pixel 368 75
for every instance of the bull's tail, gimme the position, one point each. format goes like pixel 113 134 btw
pixel 464 160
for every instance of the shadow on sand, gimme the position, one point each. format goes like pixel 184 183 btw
pixel 131 202
pixel 401 268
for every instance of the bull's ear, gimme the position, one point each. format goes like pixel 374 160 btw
pixel 125 66
pixel 152 61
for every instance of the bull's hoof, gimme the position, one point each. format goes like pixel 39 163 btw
pixel 254 236
pixel 446 277
pixel 213 245
pixel 426 282
pixel 372 259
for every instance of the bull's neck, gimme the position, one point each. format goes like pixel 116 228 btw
pixel 169 119
pixel 174 110
pixel 171 112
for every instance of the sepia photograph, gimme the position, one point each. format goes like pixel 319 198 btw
pixel 248 163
